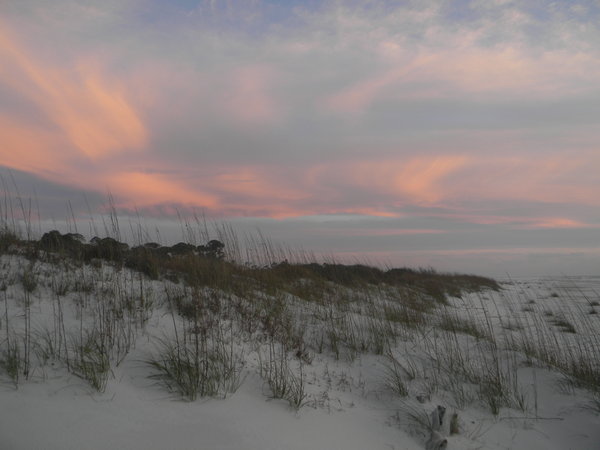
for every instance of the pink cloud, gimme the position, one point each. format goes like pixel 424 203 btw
pixel 533 221
pixel 280 192
pixel 32 149
pixel 463 68
pixel 371 232
pixel 559 178
pixel 382 187
pixel 90 112
pixel 249 95
pixel 258 182
pixel 361 95
pixel 558 223
pixel 414 179
pixel 96 133
pixel 143 189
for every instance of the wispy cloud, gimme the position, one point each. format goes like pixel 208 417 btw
pixel 249 99
pixel 92 114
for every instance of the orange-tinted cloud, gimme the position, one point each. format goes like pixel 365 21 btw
pixel 91 112
pixel 145 189
pixel 266 182
pixel 521 222
pixel 562 178
pixel 413 179
pixel 31 149
pixel 359 96
pixel 467 70
pixel 100 121
pixel 373 232
pixel 248 98
pixel 381 187
pixel 89 132
pixel 557 223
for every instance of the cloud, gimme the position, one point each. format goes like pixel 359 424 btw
pixel 31 149
pixel 553 179
pixel 559 222
pixel 392 181
pixel 144 189
pixel 484 59
pixel 91 113
pixel 336 108
pixel 249 99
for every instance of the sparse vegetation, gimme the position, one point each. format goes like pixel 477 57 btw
pixel 198 367
pixel 222 319
pixel 396 374
pixel 564 325
pixel 285 383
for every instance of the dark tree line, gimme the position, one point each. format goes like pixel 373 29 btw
pixel 146 258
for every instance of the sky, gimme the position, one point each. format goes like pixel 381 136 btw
pixel 458 134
